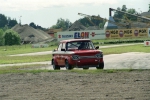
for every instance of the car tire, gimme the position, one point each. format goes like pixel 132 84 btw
pixel 100 66
pixel 67 65
pixel 55 67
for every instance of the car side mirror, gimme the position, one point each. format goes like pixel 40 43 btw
pixel 97 47
pixel 63 49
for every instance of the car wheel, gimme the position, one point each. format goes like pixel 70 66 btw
pixel 55 67
pixel 67 65
pixel 100 66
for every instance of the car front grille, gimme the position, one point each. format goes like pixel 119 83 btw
pixel 86 57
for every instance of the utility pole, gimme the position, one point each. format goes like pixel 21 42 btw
pixel 20 20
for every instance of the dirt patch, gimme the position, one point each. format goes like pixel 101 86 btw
pixel 67 85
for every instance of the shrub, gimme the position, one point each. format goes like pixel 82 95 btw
pixel 11 37
pixel 2 41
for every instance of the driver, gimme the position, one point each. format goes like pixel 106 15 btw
pixel 82 46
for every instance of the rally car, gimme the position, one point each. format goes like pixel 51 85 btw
pixel 77 53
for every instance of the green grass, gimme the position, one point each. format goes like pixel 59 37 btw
pixel 22 69
pixel 21 49
pixel 24 59
pixel 125 49
pixel 39 58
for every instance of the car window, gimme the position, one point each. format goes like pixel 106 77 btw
pixel 86 45
pixel 72 46
pixel 76 45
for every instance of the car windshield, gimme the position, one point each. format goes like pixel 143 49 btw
pixel 79 45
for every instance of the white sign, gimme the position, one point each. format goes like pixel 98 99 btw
pixel 89 34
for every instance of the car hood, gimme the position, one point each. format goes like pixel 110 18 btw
pixel 78 52
pixel 86 51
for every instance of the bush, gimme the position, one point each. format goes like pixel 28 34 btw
pixel 2 41
pixel 11 37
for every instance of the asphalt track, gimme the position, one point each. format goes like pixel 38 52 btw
pixel 131 60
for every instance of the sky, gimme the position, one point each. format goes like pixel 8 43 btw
pixel 45 13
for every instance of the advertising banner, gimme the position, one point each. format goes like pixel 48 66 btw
pixel 126 33
pixel 89 34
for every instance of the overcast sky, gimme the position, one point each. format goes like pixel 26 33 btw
pixel 46 12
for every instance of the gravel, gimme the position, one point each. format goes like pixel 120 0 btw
pixel 65 85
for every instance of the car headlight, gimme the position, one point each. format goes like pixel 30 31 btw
pixel 75 57
pixel 99 55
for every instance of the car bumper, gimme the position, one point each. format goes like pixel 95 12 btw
pixel 86 62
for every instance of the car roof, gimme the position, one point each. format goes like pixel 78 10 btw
pixel 71 40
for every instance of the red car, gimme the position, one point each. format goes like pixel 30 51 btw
pixel 79 53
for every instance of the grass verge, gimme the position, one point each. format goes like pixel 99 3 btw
pixel 31 69
pixel 21 49
pixel 125 49
pixel 24 59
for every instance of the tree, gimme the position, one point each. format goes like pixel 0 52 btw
pixel 124 8
pixel 117 15
pixel 11 37
pixel 12 23
pixel 84 21
pixel 61 23
pixel 101 25
pixel 1 37
pixel 33 25
pixel 89 21
pixel 3 21
pixel 131 11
